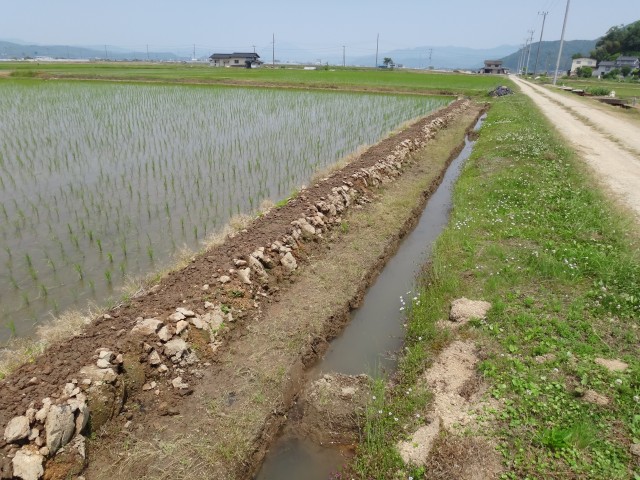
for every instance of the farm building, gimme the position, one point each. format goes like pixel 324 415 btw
pixel 582 62
pixel 493 67
pixel 236 59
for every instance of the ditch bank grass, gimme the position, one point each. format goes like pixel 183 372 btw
pixel 531 233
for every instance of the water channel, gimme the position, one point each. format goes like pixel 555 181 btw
pixel 373 337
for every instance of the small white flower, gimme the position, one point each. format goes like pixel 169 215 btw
pixel 636 398
pixel 618 381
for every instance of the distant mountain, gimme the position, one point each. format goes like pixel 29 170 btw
pixel 10 50
pixel 549 55
pixel 448 57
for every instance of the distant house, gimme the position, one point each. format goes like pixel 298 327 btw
pixel 632 62
pixel 606 66
pixel 582 62
pixel 493 67
pixel 236 59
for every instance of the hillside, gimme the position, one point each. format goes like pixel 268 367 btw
pixel 11 50
pixel 549 54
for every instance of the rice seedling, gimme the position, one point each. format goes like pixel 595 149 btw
pixel 128 173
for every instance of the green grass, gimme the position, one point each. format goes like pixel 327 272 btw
pixel 531 233
pixel 624 89
pixel 367 79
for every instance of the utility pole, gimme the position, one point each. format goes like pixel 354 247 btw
pixel 529 50
pixel 106 55
pixel 521 60
pixel 148 60
pixel 273 51
pixel 194 52
pixel 544 18
pixel 254 48
pixel 344 63
pixel 377 44
pixel 430 52
pixel 564 26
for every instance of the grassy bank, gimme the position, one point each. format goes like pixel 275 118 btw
pixel 531 234
pixel 359 79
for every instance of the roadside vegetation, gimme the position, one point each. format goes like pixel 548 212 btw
pixel 532 234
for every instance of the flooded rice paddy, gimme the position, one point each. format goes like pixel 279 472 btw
pixel 102 182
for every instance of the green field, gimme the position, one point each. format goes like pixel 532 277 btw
pixel 359 79
pixel 623 89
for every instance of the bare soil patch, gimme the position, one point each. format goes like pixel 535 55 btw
pixel 237 393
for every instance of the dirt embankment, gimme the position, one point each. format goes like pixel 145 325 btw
pixel 196 375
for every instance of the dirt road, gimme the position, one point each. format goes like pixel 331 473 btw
pixel 609 145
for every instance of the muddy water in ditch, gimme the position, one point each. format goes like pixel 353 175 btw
pixel 373 336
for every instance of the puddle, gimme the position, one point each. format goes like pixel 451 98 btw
pixel 375 333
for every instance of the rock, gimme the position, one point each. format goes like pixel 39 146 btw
pixel 612 365
pixel 119 360
pixel 594 397
pixel 149 386
pixel 154 358
pixel 181 326
pixel 239 263
pixel 103 363
pixel 106 354
pixel 205 287
pixel 208 305
pixel 41 415
pixel 289 262
pixel 224 279
pixel 148 326
pixel 178 383
pixel 463 310
pixel 348 392
pixel 81 410
pixel 185 312
pixel 245 275
pixel 307 229
pixel 44 451
pixel 257 266
pixel 27 464
pixel 175 347
pixel 17 429
pixel 165 334
pixel 35 433
pixel 95 374
pixel 635 449
pixel 199 323
pixel 59 427
pixel 109 375
pixel 163 368
pixel 176 317
pixel 31 414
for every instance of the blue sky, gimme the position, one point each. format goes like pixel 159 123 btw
pixel 319 25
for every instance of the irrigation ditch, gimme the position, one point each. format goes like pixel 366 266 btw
pixel 196 376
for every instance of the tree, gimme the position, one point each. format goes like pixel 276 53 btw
pixel 618 39
pixel 387 61
pixel 625 70
pixel 584 72
pixel 576 55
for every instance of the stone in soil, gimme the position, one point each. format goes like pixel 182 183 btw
pixel 289 262
pixel 147 326
pixel 27 464
pixel 59 427
pixel 17 429
pixel 175 347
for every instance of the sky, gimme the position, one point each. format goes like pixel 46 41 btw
pixel 318 25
